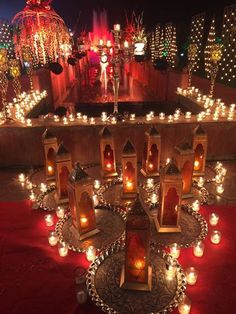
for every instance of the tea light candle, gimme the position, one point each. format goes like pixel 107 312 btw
pixel 170 118
pixel 49 220
pixel 116 27
pixel 153 198
pixel 56 118
pixel 63 249
pixel 161 116
pixel 52 238
pixel 90 253
pixel 150 183
pixel 113 120
pixel 201 182
pixel 85 118
pixel 196 205
pixel 218 179
pixel 96 184
pixel 148 117
pixel 132 117
pixel 92 120
pixel 79 115
pixel 151 113
pixel 184 306
pixel 175 250
pixel 198 249
pixel 191 275
pixel 32 196
pixel 213 219
pixel 21 178
pixel 29 185
pixel 188 115
pixel 71 118
pixel 220 189
pixel 215 236
pixel 60 212
pixel 65 121
pixel 28 122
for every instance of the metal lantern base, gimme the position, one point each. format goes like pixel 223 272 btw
pixel 149 175
pixel 165 229
pixel 140 286
pixel 85 235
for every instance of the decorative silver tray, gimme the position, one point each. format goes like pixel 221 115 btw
pixel 104 277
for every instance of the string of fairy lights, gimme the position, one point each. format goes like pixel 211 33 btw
pixel 228 62
pixel 211 39
pixel 6 39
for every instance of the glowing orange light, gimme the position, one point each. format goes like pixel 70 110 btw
pixel 84 221
pixel 108 165
pixel 129 185
pixel 139 264
pixel 150 166
pixel 196 165
pixel 50 169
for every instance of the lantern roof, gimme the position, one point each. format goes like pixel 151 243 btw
pixel 129 148
pixel 153 131
pixel 48 135
pixel 78 174
pixel 62 150
pixel 199 130
pixel 171 169
pixel 137 208
pixel 105 133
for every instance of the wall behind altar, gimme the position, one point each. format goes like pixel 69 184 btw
pixel 23 146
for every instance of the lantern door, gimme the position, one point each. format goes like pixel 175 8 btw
pixel 170 208
pixel 199 158
pixel 50 162
pixel 129 178
pixel 187 173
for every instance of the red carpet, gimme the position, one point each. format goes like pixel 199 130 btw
pixel 34 279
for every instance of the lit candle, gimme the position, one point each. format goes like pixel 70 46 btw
pixel 113 120
pixel 85 118
pixel 91 253
pixel 151 114
pixel 167 161
pixel 215 236
pixel 65 121
pixel 150 183
pixel 21 178
pixel 96 184
pixel 56 118
pixel 154 198
pixel 220 189
pixel 201 182
pixel 108 43
pixel 84 222
pixel 196 205
pixel 129 185
pixel 198 249
pixel 184 306
pixel 219 179
pixel 161 116
pixel 191 275
pixel 50 169
pixel 101 42
pixel 213 219
pixel 188 115
pixel 175 250
pixel 49 220
pixel 32 197
pixel 79 115
pixel 28 122
pixel 29 185
pixel 92 120
pixel 116 27
pixel 60 212
pixel 104 116
pixel 71 117
pixel 52 238
pixel 148 117
pixel 108 166
pixel 132 117
pixel 63 249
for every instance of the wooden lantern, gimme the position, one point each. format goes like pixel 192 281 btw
pixel 107 153
pixel 63 169
pixel 137 273
pixel 167 219
pixel 151 153
pixel 129 169
pixel 50 148
pixel 184 156
pixel 200 151
pixel 80 192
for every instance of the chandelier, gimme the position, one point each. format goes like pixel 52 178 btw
pixel 38 26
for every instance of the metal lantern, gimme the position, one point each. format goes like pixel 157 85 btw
pixel 137 273
pixel 184 156
pixel 63 169
pixel 50 148
pixel 129 169
pixel 107 153
pixel 200 143
pixel 80 191
pixel 167 219
pixel 151 153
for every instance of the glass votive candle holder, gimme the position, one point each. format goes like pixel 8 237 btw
pixel 96 184
pixel 198 249
pixel 215 236
pixel 49 220
pixel 60 212
pixel 196 205
pixel 213 219
pixel 63 249
pixel 153 198
pixel 174 250
pixel 191 275
pixel 91 253
pixel 21 178
pixel 52 238
pixel 132 117
pixel 220 189
pixel 150 183
pixel 184 306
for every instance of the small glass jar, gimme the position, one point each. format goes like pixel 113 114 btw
pixel 175 250
pixel 215 236
pixel 184 306
pixel 191 275
pixel 80 282
pixel 213 219
pixel 52 238
pixel 198 249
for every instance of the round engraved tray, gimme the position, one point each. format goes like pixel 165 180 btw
pixel 103 283
pixel 110 222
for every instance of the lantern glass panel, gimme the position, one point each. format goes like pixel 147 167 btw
pixel 170 212
pixel 72 207
pixel 108 158
pixel 51 161
pixel 129 177
pixel 152 159
pixel 187 171
pixel 64 174
pixel 87 216
pixel 198 157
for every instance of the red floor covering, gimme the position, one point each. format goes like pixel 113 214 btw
pixel 35 280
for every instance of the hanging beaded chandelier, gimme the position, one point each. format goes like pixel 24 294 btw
pixel 38 26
